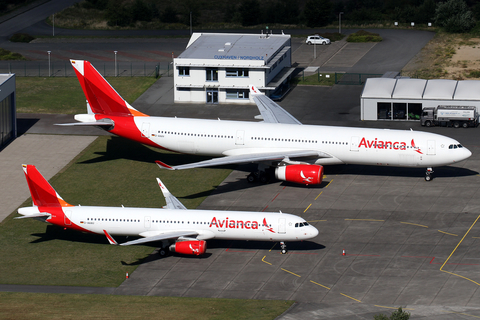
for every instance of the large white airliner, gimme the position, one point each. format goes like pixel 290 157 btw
pixel 280 142
pixel 177 228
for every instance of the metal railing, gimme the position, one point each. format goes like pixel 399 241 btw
pixel 354 78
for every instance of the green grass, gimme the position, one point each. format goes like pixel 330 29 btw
pixel 315 79
pixel 112 171
pixel 74 306
pixel 8 55
pixel 364 36
pixel 65 95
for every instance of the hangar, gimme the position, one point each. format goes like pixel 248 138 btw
pixel 8 117
pixel 404 99
pixel 218 67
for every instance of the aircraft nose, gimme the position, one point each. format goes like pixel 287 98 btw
pixel 466 154
pixel 314 232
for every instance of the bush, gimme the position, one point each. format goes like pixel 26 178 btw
pixel 21 37
pixel 454 16
pixel 8 55
pixel 364 36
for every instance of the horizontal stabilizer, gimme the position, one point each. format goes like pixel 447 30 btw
pixel 97 123
pixel 35 215
pixel 162 236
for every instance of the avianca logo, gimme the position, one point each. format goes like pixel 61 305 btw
pixel 238 224
pixel 380 144
pixel 305 179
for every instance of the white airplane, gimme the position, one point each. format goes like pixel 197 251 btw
pixel 177 228
pixel 280 142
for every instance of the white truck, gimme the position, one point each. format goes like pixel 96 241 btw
pixel 455 116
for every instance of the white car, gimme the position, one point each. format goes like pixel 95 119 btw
pixel 316 39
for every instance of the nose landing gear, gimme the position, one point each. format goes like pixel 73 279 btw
pixel 283 246
pixel 428 174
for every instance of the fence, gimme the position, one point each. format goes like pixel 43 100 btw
pixel 65 69
pixel 354 78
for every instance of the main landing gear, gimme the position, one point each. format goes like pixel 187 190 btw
pixel 262 175
pixel 283 246
pixel 428 174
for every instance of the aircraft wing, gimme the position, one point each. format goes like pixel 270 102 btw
pixel 248 157
pixel 172 201
pixel 269 110
pixel 161 236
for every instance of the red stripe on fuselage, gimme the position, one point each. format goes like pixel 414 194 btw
pixel 127 128
pixel 59 218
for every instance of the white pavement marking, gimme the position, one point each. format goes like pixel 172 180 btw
pixel 49 153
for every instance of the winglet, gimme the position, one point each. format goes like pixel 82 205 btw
pixel 164 165
pixel 170 199
pixel 110 238
pixel 254 90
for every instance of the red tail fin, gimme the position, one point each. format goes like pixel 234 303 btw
pixel 43 194
pixel 101 96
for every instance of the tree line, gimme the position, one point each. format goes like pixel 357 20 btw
pixel 452 15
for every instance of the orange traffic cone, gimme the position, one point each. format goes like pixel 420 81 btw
pixel 343 251
pixel 126 275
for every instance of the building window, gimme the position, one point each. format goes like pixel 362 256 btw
pixel 384 110
pixel 237 72
pixel 184 71
pixel 399 111
pixel 414 111
pixel 237 94
pixel 212 74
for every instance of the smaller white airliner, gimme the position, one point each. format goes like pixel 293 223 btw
pixel 174 226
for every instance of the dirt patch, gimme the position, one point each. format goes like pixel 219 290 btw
pixel 447 56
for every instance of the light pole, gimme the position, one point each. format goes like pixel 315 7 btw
pixel 115 63
pixel 49 69
pixel 340 22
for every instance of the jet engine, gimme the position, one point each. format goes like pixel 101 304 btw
pixel 300 173
pixel 193 247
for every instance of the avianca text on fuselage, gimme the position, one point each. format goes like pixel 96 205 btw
pixel 380 144
pixel 239 224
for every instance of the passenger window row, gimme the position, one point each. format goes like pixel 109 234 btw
pixel 283 140
pixel 196 134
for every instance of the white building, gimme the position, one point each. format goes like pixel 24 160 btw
pixel 218 67
pixel 404 99
pixel 8 116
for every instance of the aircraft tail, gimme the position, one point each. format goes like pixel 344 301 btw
pixel 102 98
pixel 43 194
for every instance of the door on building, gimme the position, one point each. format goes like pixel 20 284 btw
pixel 212 95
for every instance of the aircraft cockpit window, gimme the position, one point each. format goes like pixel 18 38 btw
pixel 460 146
pixel 450 146
pixel 305 223
pixel 296 225
pixel 455 147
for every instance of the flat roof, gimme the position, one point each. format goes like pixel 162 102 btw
pixel 378 88
pixel 467 90
pixel 440 89
pixel 4 77
pixel 417 89
pixel 409 89
pixel 234 46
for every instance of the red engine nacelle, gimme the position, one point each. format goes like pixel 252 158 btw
pixel 194 247
pixel 300 173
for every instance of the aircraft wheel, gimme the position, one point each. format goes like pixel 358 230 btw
pixel 284 251
pixel 263 177
pixel 251 178
pixel 428 177
pixel 162 252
